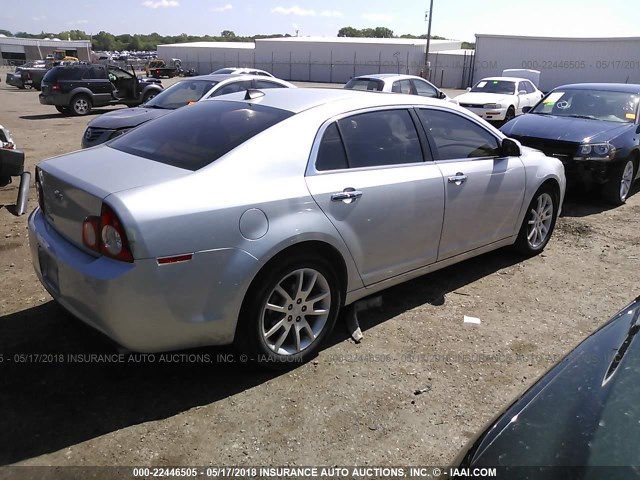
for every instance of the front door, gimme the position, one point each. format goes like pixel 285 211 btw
pixel 483 190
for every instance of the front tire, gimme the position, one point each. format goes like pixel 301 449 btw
pixel 80 105
pixel 289 311
pixel 148 96
pixel 539 222
pixel 510 115
pixel 616 190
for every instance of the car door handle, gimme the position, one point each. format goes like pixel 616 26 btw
pixel 459 178
pixel 347 194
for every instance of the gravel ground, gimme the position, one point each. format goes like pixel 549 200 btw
pixel 355 404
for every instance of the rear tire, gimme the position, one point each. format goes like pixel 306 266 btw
pixel 290 309
pixel 80 105
pixel 539 222
pixel 63 110
pixel 616 190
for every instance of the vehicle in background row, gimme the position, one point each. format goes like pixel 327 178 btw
pixel 158 68
pixel 76 89
pixel 583 413
pixel 185 92
pixel 28 75
pixel 593 129
pixel 242 71
pixel 499 99
pixel 6 142
pixel 254 217
pixel 391 82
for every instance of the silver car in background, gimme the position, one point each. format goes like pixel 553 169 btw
pixel 397 83
pixel 257 216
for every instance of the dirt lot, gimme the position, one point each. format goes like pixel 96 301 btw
pixel 353 405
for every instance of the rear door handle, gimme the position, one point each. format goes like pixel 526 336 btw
pixel 347 195
pixel 459 178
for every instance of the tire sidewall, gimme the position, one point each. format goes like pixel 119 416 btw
pixel 249 336
pixel 522 243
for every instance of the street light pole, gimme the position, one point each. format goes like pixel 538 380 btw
pixel 426 59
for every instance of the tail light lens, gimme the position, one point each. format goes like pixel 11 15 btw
pixel 55 87
pixel 106 235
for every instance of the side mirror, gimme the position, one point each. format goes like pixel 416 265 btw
pixel 468 89
pixel 442 95
pixel 527 109
pixel 11 162
pixel 510 148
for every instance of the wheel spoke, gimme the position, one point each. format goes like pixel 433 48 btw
pixel 304 325
pixel 317 298
pixel 276 308
pixel 311 284
pixel 275 328
pixel 281 340
pixel 297 338
pixel 284 293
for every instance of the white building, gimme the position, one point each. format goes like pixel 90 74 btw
pixel 18 50
pixel 319 59
pixel 560 60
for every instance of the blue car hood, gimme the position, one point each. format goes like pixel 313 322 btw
pixel 571 129
pixel 127 117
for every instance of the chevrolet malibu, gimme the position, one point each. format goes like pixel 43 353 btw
pixel 254 218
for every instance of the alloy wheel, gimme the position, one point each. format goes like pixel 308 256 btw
pixel 539 223
pixel 625 180
pixel 296 312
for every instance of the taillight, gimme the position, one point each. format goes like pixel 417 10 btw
pixel 55 87
pixel 113 239
pixel 39 190
pixel 106 235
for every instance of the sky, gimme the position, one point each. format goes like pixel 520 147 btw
pixel 454 19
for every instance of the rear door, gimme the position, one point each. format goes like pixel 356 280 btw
pixel 95 79
pixel 369 175
pixel 484 191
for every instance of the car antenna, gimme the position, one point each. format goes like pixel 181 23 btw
pixel 253 93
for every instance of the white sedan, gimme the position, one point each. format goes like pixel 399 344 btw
pixel 397 83
pixel 500 98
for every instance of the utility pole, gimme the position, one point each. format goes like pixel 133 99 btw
pixel 428 16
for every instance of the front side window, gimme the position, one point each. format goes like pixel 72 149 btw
pixel 424 89
pixel 455 137
pixel 385 137
pixel 194 137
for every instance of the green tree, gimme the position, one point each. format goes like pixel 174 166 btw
pixel 227 34
pixel 6 32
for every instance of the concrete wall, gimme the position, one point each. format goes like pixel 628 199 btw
pixel 560 60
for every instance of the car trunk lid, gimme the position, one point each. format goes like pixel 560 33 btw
pixel 74 185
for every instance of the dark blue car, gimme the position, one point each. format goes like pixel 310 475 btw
pixel 593 129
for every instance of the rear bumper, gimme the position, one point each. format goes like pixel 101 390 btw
pixel 61 100
pixel 142 306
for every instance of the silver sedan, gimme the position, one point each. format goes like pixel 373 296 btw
pixel 254 218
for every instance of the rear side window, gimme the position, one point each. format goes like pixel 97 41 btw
pixel 386 137
pixel 63 73
pixel 194 137
pixel 331 154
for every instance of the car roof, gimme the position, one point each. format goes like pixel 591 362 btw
pixel 386 76
pixel 510 79
pixel 613 87
pixel 219 77
pixel 296 100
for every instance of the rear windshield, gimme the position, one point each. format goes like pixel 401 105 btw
pixel 365 84
pixel 225 70
pixel 194 137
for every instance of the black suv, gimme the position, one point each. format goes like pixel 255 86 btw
pixel 75 89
